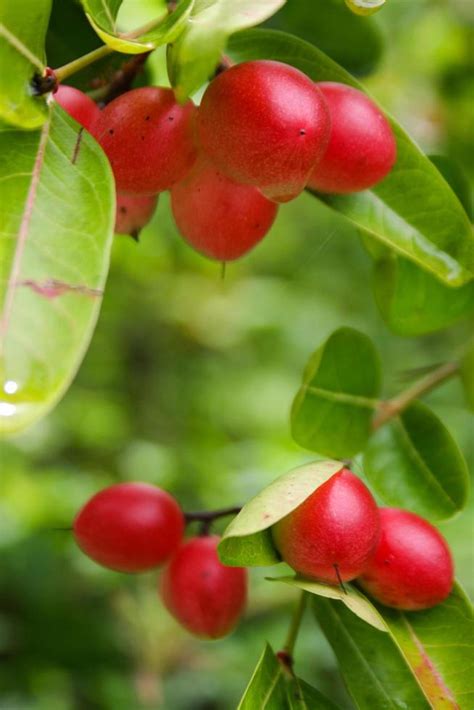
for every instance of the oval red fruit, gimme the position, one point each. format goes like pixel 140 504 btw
pixel 332 534
pixel 133 212
pixel 206 597
pixel 78 105
pixel 129 527
pixel 412 567
pixel 266 124
pixel 361 149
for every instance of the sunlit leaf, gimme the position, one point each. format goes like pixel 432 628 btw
pixel 267 687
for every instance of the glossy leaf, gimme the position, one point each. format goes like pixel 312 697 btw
pixel 102 15
pixel 374 670
pixel 467 375
pixel 413 210
pixel 267 687
pixel 57 195
pixel 194 57
pixel 23 25
pixel 365 7
pixel 247 541
pixel 349 596
pixel 354 42
pixel 302 696
pixel 413 462
pixel 333 409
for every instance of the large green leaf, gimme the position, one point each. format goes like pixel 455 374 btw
pixel 194 57
pixel 247 541
pixel 102 15
pixel 413 210
pixel 413 462
pixel 354 42
pixel 349 596
pixel 267 687
pixel 23 25
pixel 333 409
pixel 57 197
pixel 372 666
pixel 302 696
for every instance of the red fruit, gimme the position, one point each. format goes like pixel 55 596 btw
pixel 266 124
pixel 147 138
pixel 206 597
pixel 412 567
pixel 361 149
pixel 77 104
pixel 133 212
pixel 217 216
pixel 332 534
pixel 129 527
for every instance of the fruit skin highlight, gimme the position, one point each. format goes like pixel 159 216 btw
pixel 133 212
pixel 217 216
pixel 206 597
pixel 266 124
pixel 361 149
pixel 78 105
pixel 148 139
pixel 412 567
pixel 333 533
pixel 129 527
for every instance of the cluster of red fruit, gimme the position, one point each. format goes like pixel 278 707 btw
pixel 136 527
pixel 263 132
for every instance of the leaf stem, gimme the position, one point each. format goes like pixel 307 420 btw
pixel 393 407
pixel 205 516
pixel 286 654
pixel 82 62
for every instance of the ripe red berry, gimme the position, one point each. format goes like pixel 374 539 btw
pixel 332 534
pixel 412 567
pixel 129 527
pixel 266 124
pixel 133 212
pixel 217 216
pixel 148 139
pixel 361 149
pixel 78 105
pixel 206 597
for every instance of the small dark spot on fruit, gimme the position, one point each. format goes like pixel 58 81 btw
pixel 386 562
pixel 256 226
pixel 111 131
pixel 147 118
pixel 205 574
pixel 170 118
pixel 123 210
pixel 302 132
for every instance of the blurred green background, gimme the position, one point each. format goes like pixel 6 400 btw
pixel 188 384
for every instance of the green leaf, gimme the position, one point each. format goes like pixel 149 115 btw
pixel 302 696
pixel 365 7
pixel 413 210
pixel 23 25
pixel 374 670
pixel 247 541
pixel 354 42
pixel 102 14
pixel 57 194
pixel 267 688
pixel 349 596
pixel 457 179
pixel 333 409
pixel 413 462
pixel 193 58
pixel 438 645
pixel 467 375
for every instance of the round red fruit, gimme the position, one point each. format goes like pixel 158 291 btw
pixel 361 149
pixel 332 534
pixel 129 527
pixel 206 597
pixel 148 139
pixel 217 216
pixel 133 212
pixel 266 124
pixel 412 567
pixel 78 105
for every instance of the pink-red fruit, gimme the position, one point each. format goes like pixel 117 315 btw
pixel 133 212
pixel 148 139
pixel 129 527
pixel 265 124
pixel 361 149
pixel 206 597
pixel 77 104
pixel 217 216
pixel 332 534
pixel 412 567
